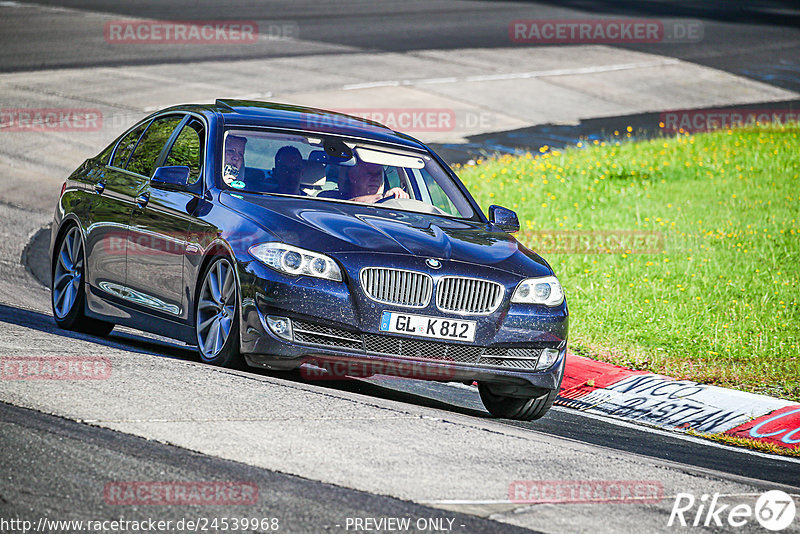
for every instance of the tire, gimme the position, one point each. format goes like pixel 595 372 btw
pixel 519 408
pixel 216 316
pixel 67 286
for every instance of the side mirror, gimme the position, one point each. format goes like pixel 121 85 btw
pixel 504 218
pixel 171 178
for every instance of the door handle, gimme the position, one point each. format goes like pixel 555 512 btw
pixel 142 200
pixel 99 187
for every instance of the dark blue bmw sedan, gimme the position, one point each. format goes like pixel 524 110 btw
pixel 284 237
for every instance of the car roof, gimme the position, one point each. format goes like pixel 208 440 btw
pixel 285 116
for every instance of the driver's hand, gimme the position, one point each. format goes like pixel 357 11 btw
pixel 396 192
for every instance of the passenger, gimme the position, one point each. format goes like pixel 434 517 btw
pixel 288 171
pixel 233 168
pixel 363 183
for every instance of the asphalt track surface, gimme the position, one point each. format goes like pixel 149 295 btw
pixel 689 454
pixel 53 486
pixel 760 40
pixel 757 40
pixel 56 460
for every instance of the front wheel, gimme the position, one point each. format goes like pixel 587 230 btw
pixel 519 408
pixel 217 316
pixel 67 287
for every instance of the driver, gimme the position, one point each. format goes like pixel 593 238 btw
pixel 364 183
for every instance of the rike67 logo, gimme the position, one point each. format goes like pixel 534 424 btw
pixel 774 510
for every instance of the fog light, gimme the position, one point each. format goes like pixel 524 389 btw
pixel 547 359
pixel 280 326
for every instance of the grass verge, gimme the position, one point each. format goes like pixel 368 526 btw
pixel 679 255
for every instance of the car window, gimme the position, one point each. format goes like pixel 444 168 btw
pixel 438 197
pixel 126 146
pixel 341 170
pixel 188 149
pixel 394 179
pixel 143 159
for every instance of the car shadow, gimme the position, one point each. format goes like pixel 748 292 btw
pixel 403 394
pixel 129 341
pixel 118 339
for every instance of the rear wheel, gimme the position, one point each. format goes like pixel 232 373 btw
pixel 217 316
pixel 519 408
pixel 67 287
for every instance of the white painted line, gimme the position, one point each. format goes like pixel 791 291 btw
pixel 574 71
pixel 431 81
pixel 57 9
pixel 457 501
pixel 514 75
pixel 467 501
pixel 370 85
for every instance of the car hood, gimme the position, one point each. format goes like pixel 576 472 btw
pixel 333 227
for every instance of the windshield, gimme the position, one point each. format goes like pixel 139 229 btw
pixel 335 170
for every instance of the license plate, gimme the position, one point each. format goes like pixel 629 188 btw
pixel 420 325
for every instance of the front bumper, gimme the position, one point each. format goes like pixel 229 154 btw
pixel 331 325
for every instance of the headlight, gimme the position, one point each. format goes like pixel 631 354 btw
pixel 545 290
pixel 296 261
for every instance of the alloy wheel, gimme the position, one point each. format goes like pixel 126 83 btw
pixel 67 275
pixel 216 308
